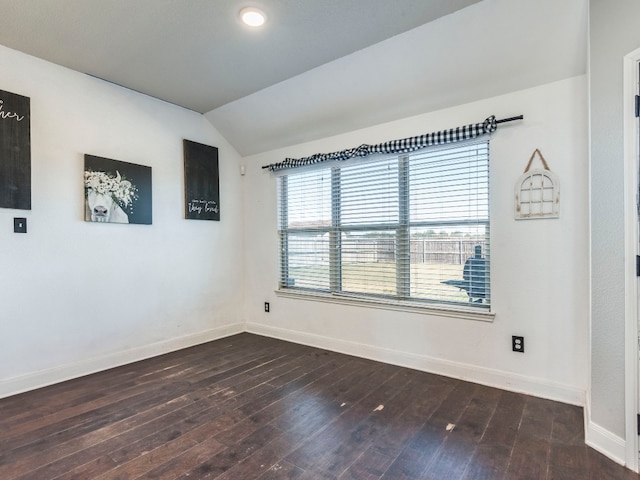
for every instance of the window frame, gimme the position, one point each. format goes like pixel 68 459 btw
pixel 403 300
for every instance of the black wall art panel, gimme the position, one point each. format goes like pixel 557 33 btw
pixel 15 151
pixel 116 192
pixel 202 187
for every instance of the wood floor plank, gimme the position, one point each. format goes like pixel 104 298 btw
pixel 180 460
pixel 263 459
pixel 601 468
pixel 55 461
pixel 75 471
pixel 292 407
pixel 235 417
pixel 567 461
pixel 179 414
pixel 281 471
pixel 417 454
pixel 209 420
pixel 219 463
pixel 314 451
pixel 568 425
pixel 248 407
pixel 83 389
pixel 537 418
pixel 371 465
pixel 478 413
pixel 460 446
pixel 386 448
pixel 489 462
pixel 529 458
pixel 452 458
pixel 56 421
pixel 505 422
pixel 369 416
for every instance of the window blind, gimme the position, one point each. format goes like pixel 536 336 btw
pixel 411 226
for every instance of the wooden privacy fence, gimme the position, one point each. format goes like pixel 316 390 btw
pixel 450 251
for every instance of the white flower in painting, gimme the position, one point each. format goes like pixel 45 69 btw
pixel 124 193
pixel 122 190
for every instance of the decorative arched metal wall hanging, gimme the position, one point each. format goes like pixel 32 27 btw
pixel 537 192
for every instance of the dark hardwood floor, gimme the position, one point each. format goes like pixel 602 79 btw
pixel 248 407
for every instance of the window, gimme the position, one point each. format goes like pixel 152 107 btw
pixel 411 227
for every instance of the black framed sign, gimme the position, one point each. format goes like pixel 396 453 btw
pixel 202 182
pixel 116 191
pixel 15 151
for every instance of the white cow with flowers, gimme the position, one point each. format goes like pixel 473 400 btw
pixel 107 196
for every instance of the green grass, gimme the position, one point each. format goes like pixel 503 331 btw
pixel 380 279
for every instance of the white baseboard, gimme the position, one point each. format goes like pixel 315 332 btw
pixel 43 378
pixel 606 442
pixel 602 440
pixel 485 376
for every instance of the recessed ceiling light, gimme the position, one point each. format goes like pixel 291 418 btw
pixel 252 16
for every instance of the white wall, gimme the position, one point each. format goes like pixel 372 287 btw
pixel 77 296
pixel 613 34
pixel 539 267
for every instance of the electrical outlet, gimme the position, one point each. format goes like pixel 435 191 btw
pixel 266 307
pixel 517 344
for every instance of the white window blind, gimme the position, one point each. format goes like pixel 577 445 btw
pixel 410 227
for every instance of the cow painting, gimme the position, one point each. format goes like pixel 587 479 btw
pixel 117 191
pixel 108 197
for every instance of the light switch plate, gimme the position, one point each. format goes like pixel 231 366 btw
pixel 20 225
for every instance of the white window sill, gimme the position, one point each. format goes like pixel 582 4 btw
pixel 461 312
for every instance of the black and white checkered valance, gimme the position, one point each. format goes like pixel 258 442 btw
pixel 404 145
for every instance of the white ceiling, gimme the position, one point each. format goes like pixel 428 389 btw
pixel 318 68
pixel 196 53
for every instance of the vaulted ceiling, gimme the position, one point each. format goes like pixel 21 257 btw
pixel 317 68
